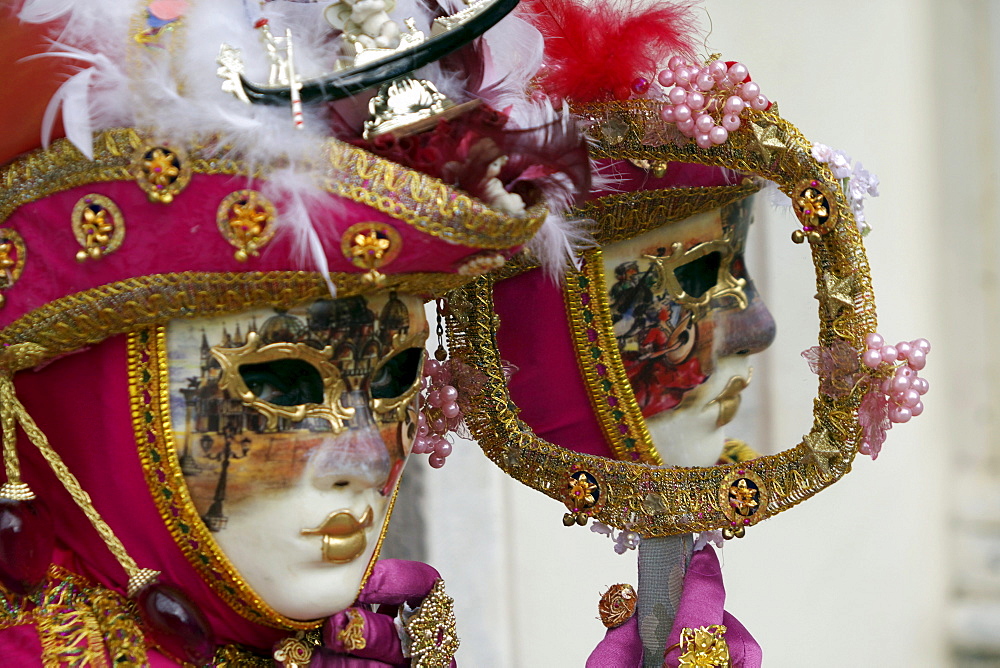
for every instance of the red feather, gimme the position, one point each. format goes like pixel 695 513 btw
pixel 595 51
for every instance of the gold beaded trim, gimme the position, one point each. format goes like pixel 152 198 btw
pixel 622 216
pixel 85 318
pixel 424 202
pixel 661 501
pixel 600 362
pixel 433 640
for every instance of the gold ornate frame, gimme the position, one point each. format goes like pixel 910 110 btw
pixel 655 500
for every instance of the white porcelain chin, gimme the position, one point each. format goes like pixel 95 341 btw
pixel 688 435
pixel 263 541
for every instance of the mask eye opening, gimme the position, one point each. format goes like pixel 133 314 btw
pixel 397 375
pixel 284 382
pixel 699 275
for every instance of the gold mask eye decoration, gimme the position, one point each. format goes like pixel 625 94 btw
pixel 726 286
pixel 396 378
pixel 322 399
pixel 371 246
pixel 247 220
pixel 12 257
pixel 98 225
pixel 162 172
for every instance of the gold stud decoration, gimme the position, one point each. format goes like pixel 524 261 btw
pixel 371 246
pixel 742 495
pixel 162 172
pixel 12 257
pixel 816 208
pixel 98 225
pixel 247 220
pixel 582 497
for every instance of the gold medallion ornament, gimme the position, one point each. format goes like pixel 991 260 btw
pixel 742 495
pixel 98 225
pixel 813 204
pixel 636 494
pixel 431 629
pixel 12 257
pixel 161 171
pixel 247 220
pixel 617 605
pixel 371 246
pixel 583 496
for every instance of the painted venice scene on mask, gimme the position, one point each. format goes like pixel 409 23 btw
pixel 231 450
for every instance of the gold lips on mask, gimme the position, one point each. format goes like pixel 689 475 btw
pixel 344 538
pixel 729 399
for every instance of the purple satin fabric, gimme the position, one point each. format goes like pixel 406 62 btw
pixel 621 648
pixel 392 583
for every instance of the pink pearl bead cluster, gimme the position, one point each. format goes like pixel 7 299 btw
pixel 905 388
pixel 705 103
pixel 439 414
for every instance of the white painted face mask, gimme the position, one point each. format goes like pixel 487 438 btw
pixel 292 429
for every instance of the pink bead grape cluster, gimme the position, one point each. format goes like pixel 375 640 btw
pixel 706 103
pixel 439 414
pixel 905 388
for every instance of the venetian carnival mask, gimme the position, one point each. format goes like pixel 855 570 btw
pixel 295 428
pixel 686 318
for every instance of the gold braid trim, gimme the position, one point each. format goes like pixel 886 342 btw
pixel 661 501
pixel 11 407
pixel 611 395
pixel 424 202
pixel 622 216
pixel 85 318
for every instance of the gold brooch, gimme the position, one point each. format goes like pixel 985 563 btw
pixel 98 225
pixel 815 207
pixel 371 246
pixel 162 172
pixel 246 220
pixel 704 647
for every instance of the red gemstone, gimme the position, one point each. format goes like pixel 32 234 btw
pixel 26 542
pixel 176 625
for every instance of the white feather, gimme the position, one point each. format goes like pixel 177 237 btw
pixel 296 206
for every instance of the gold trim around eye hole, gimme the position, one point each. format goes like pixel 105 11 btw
pixel 331 410
pixel 726 285
pixel 395 407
